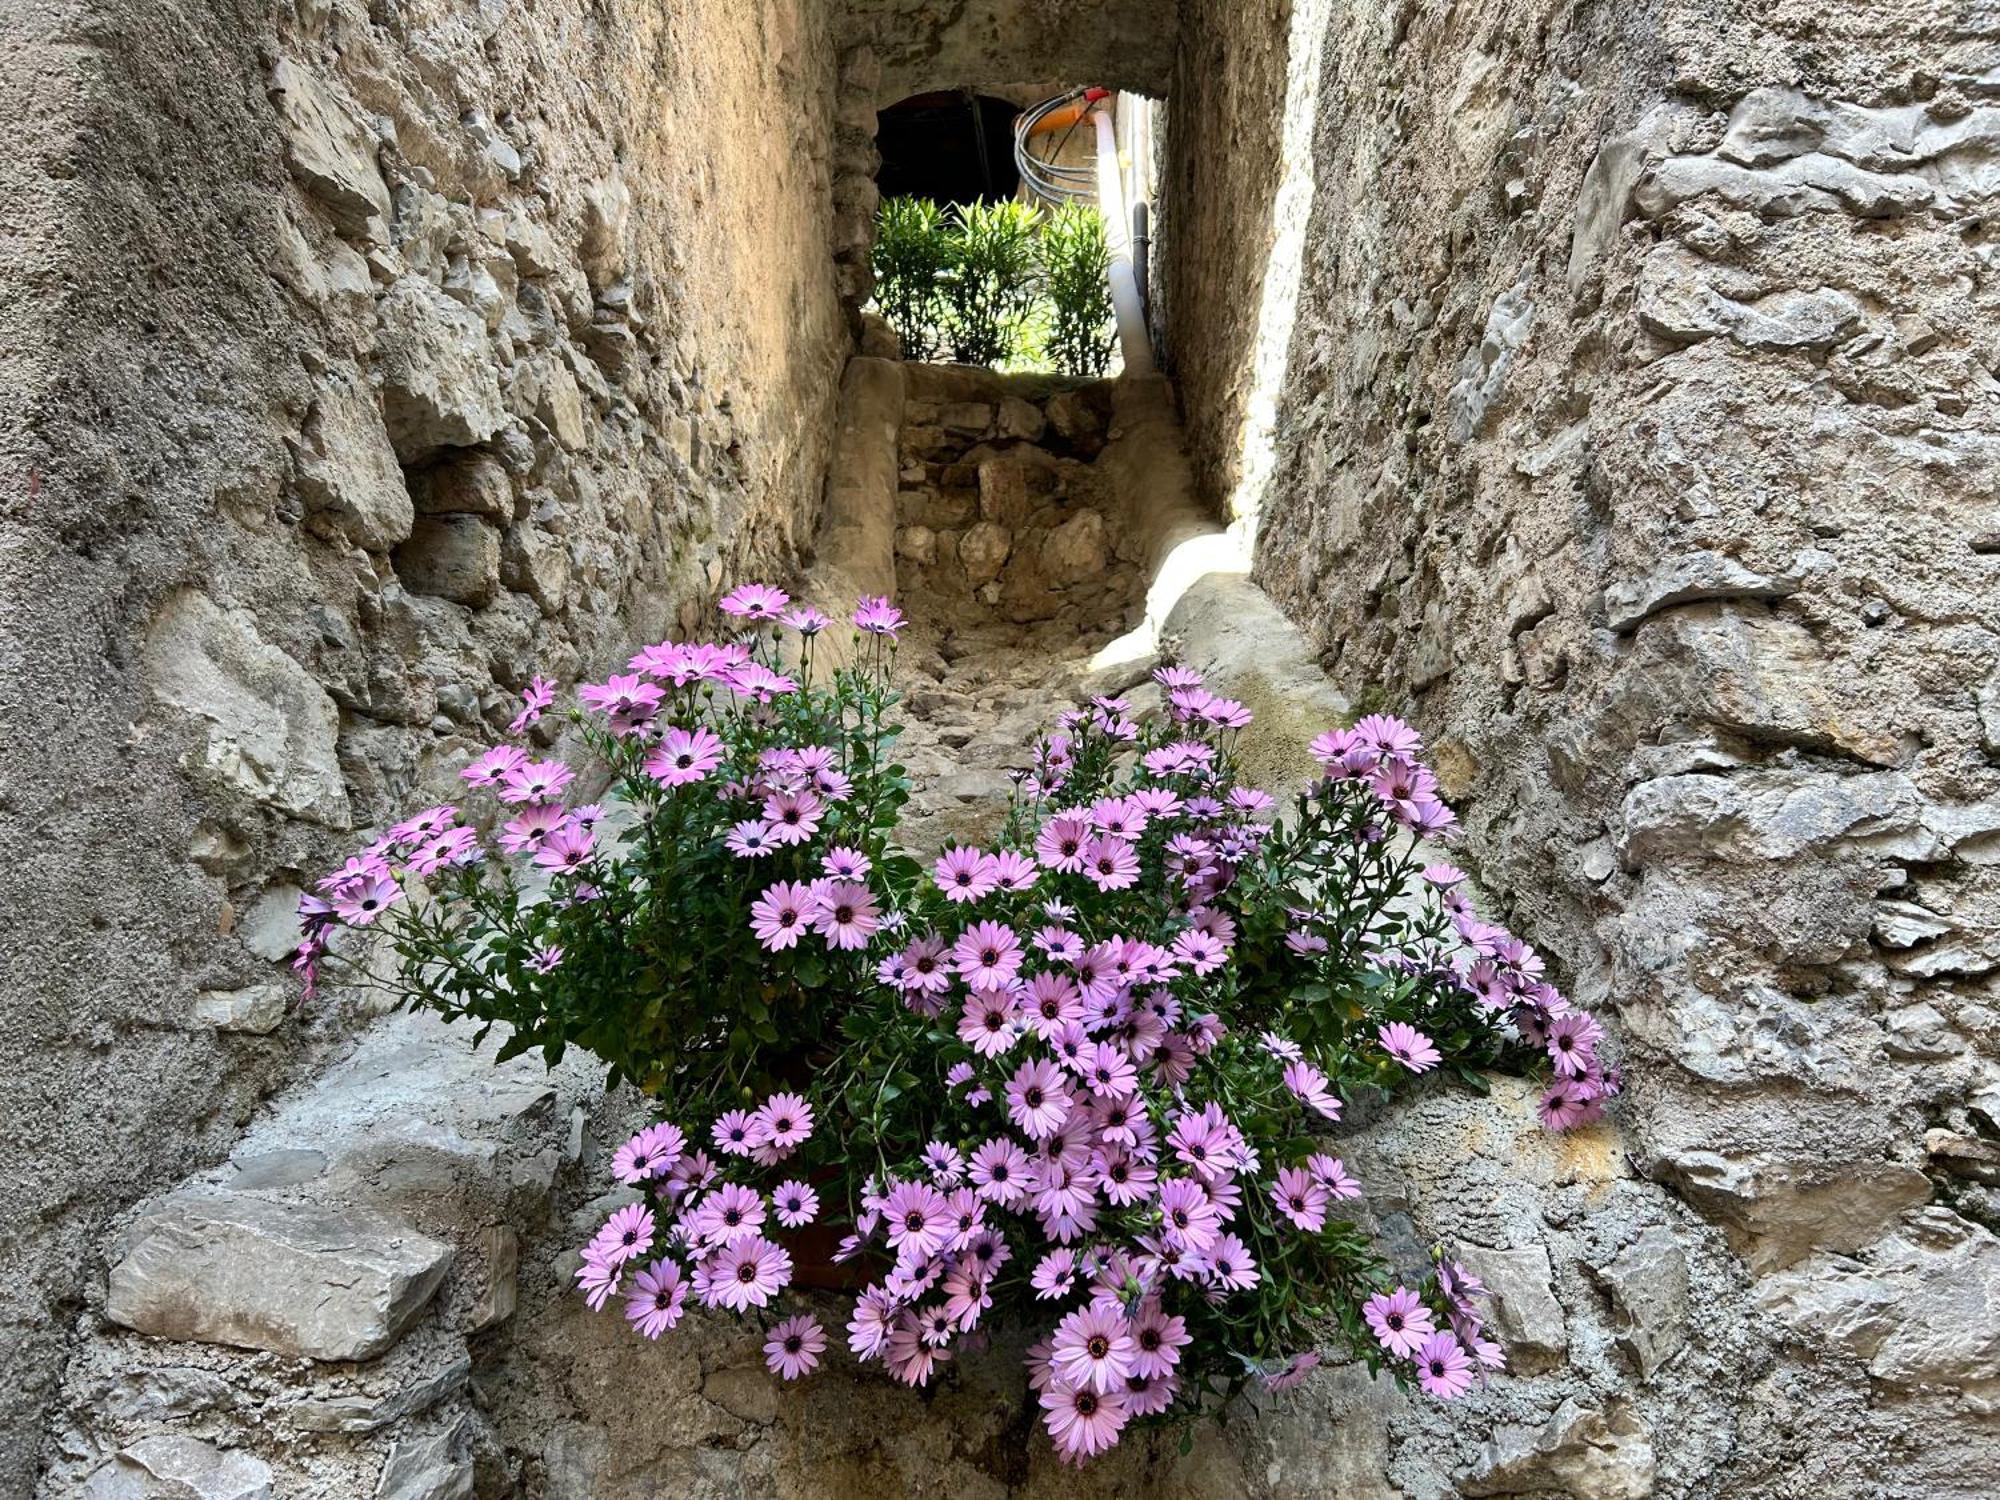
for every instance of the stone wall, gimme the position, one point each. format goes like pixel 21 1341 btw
pixel 946 44
pixel 1636 433
pixel 355 361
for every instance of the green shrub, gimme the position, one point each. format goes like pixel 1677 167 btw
pixel 990 286
pixel 912 250
pixel 1075 256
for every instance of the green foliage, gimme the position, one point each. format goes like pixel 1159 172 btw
pixel 990 285
pixel 912 250
pixel 1075 256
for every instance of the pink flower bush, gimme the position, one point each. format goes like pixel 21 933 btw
pixel 1085 1077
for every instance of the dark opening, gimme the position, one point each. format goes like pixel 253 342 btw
pixel 955 147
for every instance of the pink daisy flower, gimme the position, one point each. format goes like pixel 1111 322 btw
pixel 535 826
pixel 731 1133
pixel 566 851
pixel 843 863
pixel 1400 1320
pixel 1188 1218
pixel 1000 1172
pixel 1093 1348
pixel 1331 1174
pixel 535 781
pixel 965 874
pixel 1013 871
pixel 1409 1046
pixel 785 1122
pixel 877 616
pixel 1308 1084
pixel 987 1023
pixel 1108 1072
pixel 1038 1099
pixel 491 766
pixel 783 913
pixel 794 1204
pixel 1111 863
pixel 749 839
pixel 1083 1423
pixel 847 916
pixel 748 1273
pixel 1054 1274
pixel 987 956
pixel 1568 1102
pixel 1157 1340
pixel 792 817
pixel 626 1235
pixel 1230 1264
pixel 654 1303
pixel 683 756
pixel 1302 1198
pixel 732 1212
pixel 794 1347
pixel 535 701
pixel 917 1219
pixel 805 619
pixel 546 960
pixel 628 702
pixel 754 601
pixel 1442 1368
pixel 1061 843
pixel 874 1318
pixel 1051 1002
pixel 653 1152
pixel 359 904
pixel 1572 1043
pixel 597 1278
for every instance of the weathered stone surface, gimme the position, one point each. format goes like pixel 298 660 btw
pixel 257 1008
pixel 1076 550
pixel 329 149
pixel 269 729
pixel 1605 1454
pixel 291 1278
pixel 455 557
pixel 437 1467
pixel 1019 419
pixel 1687 580
pixel 983 552
pixel 439 389
pixel 1527 1318
pixel 348 472
pixel 1648 1283
pixel 167 1467
pixel 474 484
pixel 917 544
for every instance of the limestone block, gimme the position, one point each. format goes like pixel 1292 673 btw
pixel 1689 578
pixel 328 149
pixel 559 406
pixel 439 386
pixel 168 1467
pixel 293 1278
pixel 437 1467
pixel 1683 301
pixel 347 470
pixel 1647 1282
pixel 1003 491
pixel 970 418
pixel 1526 1318
pixel 258 1009
pixel 537 565
pixel 1482 373
pixel 1076 550
pixel 1607 1455
pixel 1923 1306
pixel 270 728
pixel 1020 419
pixel 1074 418
pixel 468 483
pixel 983 551
pixel 917 544
pixel 455 557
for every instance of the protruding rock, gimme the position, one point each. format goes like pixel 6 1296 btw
pixel 1020 419
pixel 347 471
pixel 1526 1318
pixel 452 557
pixel 537 565
pixel 258 1008
pixel 270 728
pixel 437 1467
pixel 439 389
pixel 294 1278
pixel 1607 1455
pixel 328 149
pixel 170 1467
pixel 1076 550
pixel 1003 491
pixel 982 552
pixel 473 484
pixel 1648 1285
pixel 917 544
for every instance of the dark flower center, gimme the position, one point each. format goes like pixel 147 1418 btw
pixel 746 1272
pixel 1149 1339
pixel 1099 1346
pixel 1032 1098
pixel 793 1344
pixel 1086 1404
pixel 913 1221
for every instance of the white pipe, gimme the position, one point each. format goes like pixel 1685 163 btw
pixel 1132 340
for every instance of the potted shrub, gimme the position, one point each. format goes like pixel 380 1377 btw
pixel 1082 1080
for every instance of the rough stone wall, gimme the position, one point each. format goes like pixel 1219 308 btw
pixel 938 44
pixel 1637 435
pixel 358 360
